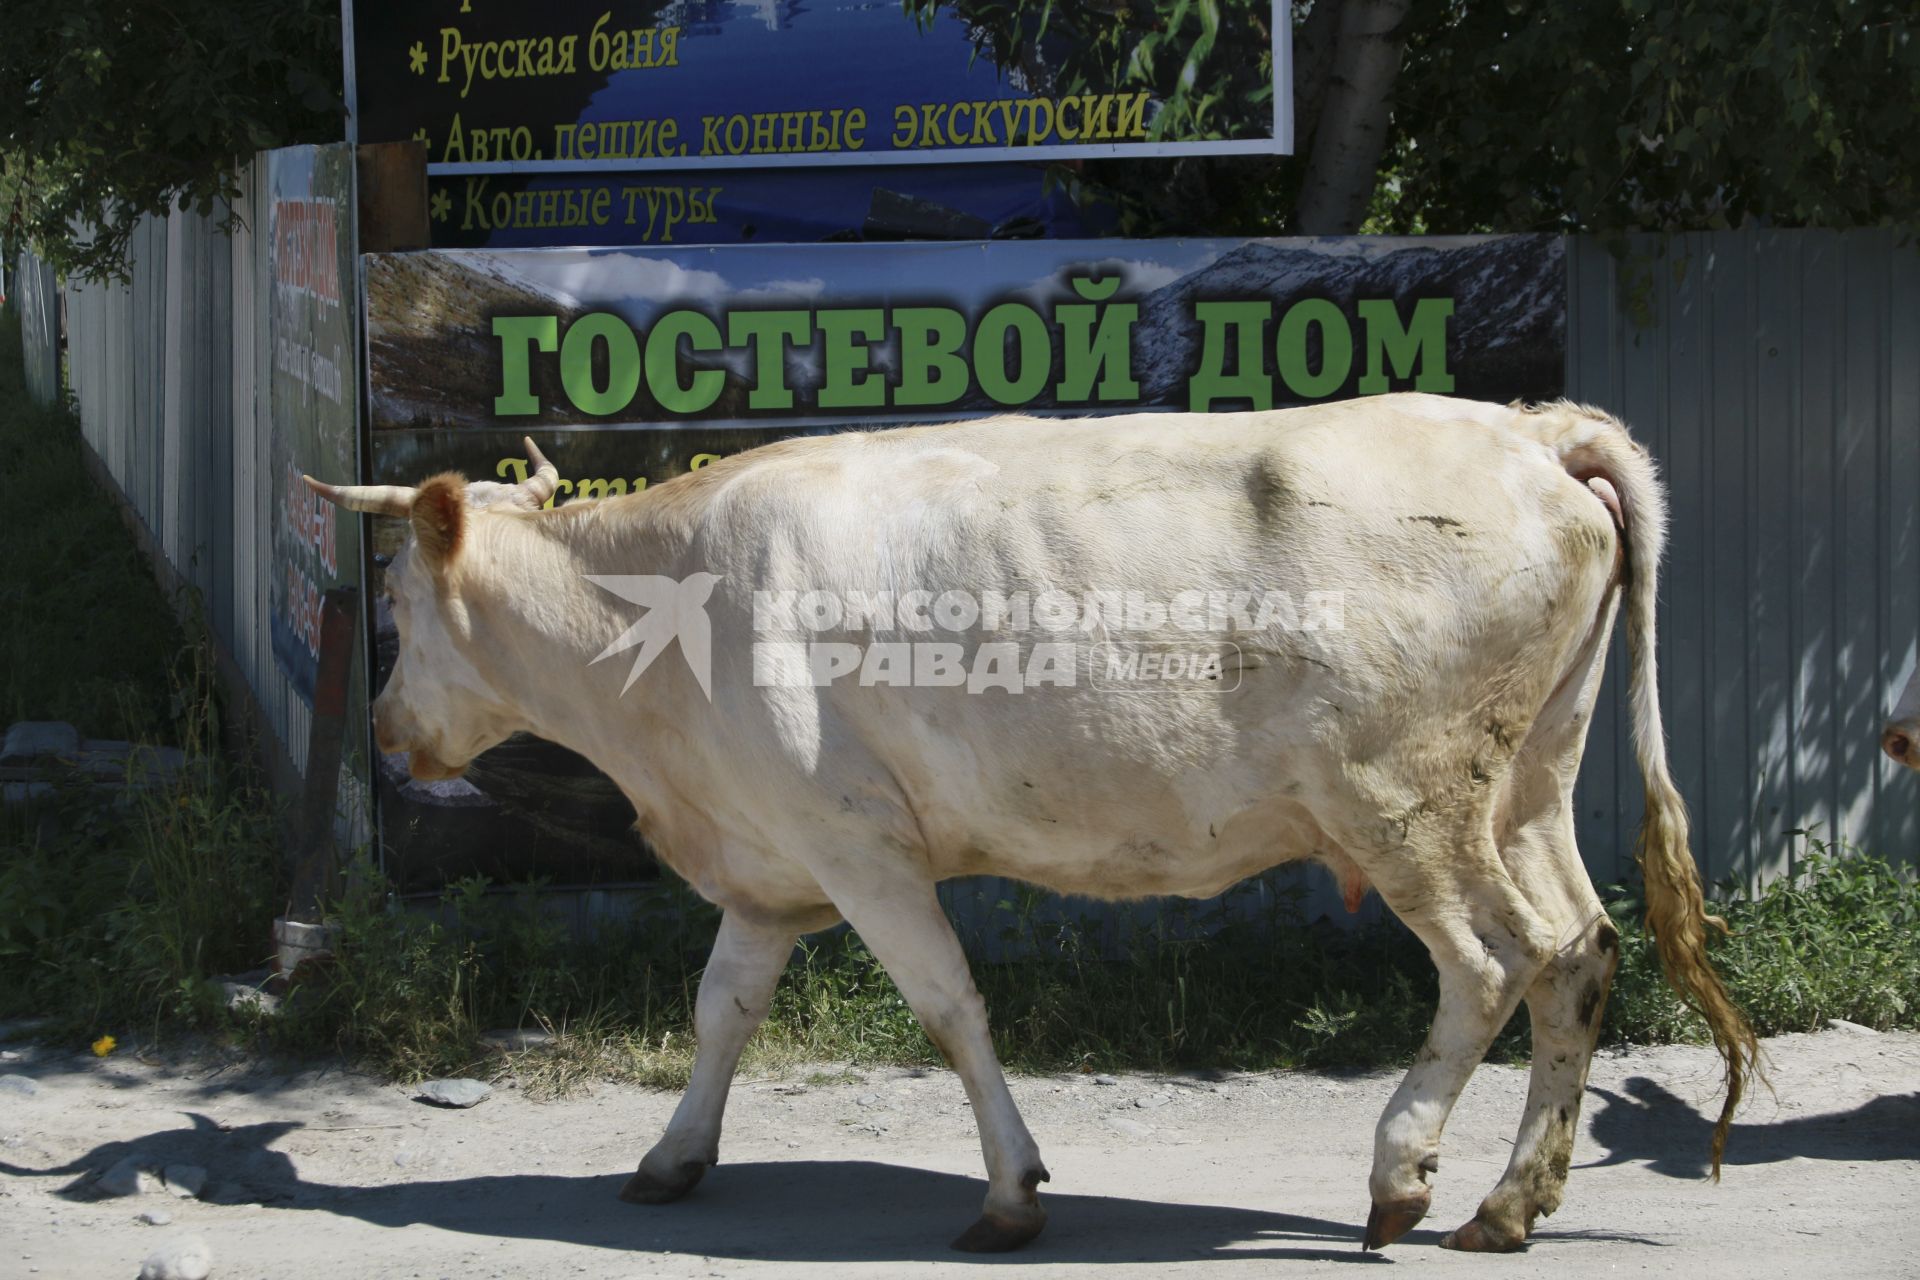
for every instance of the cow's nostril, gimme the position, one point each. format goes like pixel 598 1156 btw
pixel 1897 745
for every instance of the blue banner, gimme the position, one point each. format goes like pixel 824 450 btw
pixel 563 85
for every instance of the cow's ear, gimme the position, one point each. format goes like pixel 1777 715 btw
pixel 440 518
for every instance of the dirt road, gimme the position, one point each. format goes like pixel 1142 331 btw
pixel 869 1173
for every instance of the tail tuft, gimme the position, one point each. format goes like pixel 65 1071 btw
pixel 1677 915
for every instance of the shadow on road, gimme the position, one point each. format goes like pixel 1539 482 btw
pixel 1656 1126
pixel 793 1211
pixel 242 1157
pixel 843 1211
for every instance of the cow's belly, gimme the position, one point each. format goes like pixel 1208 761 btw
pixel 1136 854
pixel 1160 798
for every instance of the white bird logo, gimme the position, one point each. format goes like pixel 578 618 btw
pixel 676 610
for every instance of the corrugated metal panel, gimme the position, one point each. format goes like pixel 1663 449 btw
pixel 171 479
pixel 217 509
pixel 169 372
pixel 34 292
pixel 248 375
pixel 1772 375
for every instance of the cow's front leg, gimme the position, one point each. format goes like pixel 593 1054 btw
pixel 1487 944
pixel 735 991
pixel 897 914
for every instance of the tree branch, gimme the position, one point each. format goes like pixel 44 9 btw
pixel 1314 40
pixel 1352 127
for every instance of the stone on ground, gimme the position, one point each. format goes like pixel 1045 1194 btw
pixel 1851 1028
pixel 454 1093
pixel 129 1177
pixel 512 1041
pixel 31 740
pixel 184 1258
pixel 185 1180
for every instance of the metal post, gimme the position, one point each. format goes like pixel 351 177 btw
pixel 316 864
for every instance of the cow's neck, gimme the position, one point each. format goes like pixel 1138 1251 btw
pixel 540 624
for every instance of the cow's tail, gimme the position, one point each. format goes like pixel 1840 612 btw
pixel 1594 446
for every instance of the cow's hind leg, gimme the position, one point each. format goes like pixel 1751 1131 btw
pixel 897 914
pixel 1488 944
pixel 1566 1001
pixel 735 991
pixel 1566 1005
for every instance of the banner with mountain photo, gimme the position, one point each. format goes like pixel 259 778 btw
pixel 629 367
pixel 563 85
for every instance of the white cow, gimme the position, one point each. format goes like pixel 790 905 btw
pixel 1426 745
pixel 1901 738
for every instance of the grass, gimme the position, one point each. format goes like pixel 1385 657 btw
pixel 1833 940
pixel 115 918
pixel 413 995
pixel 115 911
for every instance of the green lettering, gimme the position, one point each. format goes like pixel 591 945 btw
pixel 767 333
pixel 1249 380
pixel 1336 348
pixel 623 364
pixel 515 333
pixel 663 362
pixel 931 370
pixel 1096 342
pixel 847 381
pixel 1420 345
pixel 1031 351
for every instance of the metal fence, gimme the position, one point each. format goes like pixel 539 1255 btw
pixel 1772 374
pixel 34 293
pixel 168 376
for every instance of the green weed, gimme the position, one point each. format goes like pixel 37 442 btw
pixel 116 907
pixel 1834 939
pixel 1185 988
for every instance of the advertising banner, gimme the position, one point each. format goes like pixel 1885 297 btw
pixel 520 87
pixel 630 367
pixel 314 389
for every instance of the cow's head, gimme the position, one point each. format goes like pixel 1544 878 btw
pixel 440 706
pixel 1901 738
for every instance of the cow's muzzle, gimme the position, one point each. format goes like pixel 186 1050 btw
pixel 423 767
pixel 1902 742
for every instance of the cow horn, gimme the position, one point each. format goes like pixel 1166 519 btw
pixel 379 499
pixel 539 486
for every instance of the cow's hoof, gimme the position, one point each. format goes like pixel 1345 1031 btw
pixel 1388 1222
pixel 1476 1236
pixel 996 1233
pixel 646 1187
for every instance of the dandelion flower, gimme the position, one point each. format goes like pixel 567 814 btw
pixel 104 1046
